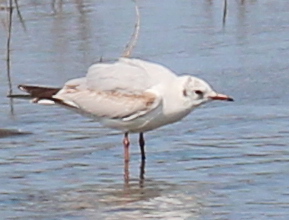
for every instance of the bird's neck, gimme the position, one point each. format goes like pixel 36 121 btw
pixel 176 105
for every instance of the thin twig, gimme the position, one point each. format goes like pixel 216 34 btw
pixel 53 3
pixel 20 15
pixel 224 12
pixel 53 6
pixel 8 54
pixel 133 40
pixel 8 57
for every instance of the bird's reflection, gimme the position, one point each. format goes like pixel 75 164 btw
pixel 141 173
pixel 126 172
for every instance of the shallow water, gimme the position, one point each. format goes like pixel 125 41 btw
pixel 224 161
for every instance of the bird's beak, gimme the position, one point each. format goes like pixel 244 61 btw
pixel 221 97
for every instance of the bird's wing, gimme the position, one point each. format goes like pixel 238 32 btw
pixel 110 104
pixel 119 90
pixel 128 75
pixel 118 76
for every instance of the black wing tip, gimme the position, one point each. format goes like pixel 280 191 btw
pixel 26 87
pixel 21 86
pixel 19 96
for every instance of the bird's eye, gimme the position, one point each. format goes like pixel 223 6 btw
pixel 199 92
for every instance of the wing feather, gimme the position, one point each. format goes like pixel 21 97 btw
pixel 122 89
pixel 113 105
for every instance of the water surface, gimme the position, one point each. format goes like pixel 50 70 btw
pixel 224 161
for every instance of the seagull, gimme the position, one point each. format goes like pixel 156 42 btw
pixel 130 95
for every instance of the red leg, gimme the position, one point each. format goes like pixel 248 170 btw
pixel 126 157
pixel 126 147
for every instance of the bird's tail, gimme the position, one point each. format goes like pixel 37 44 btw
pixel 38 94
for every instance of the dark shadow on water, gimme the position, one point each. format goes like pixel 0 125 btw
pixel 11 132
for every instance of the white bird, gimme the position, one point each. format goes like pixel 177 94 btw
pixel 130 95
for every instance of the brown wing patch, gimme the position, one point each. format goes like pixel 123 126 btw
pixel 114 104
pixel 147 98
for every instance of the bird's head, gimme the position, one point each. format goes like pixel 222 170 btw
pixel 199 92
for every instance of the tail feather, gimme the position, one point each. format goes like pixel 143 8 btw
pixel 36 93
pixel 42 95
